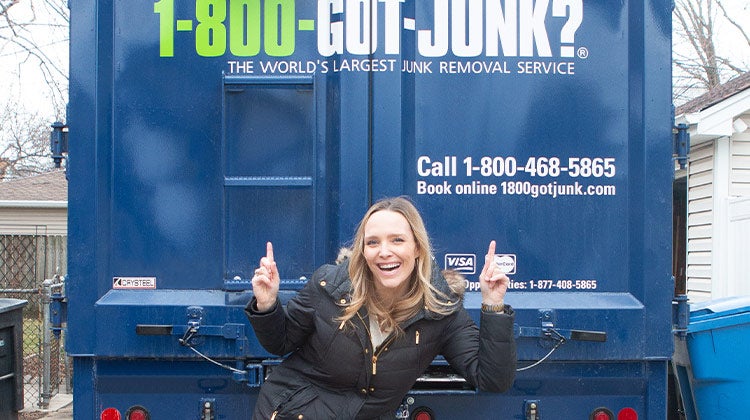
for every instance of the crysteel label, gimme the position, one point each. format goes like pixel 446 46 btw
pixel 133 283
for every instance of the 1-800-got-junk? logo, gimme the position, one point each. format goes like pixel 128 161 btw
pixel 490 28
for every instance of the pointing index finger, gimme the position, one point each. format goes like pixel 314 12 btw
pixel 491 249
pixel 269 251
pixel 489 260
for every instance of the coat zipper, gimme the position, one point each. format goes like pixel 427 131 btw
pixel 376 352
pixel 379 351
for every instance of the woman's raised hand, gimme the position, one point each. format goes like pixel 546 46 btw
pixel 266 281
pixel 493 282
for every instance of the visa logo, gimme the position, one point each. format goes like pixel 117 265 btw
pixel 463 263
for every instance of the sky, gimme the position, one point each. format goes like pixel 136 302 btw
pixel 730 43
pixel 21 78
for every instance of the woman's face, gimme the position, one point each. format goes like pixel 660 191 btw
pixel 390 252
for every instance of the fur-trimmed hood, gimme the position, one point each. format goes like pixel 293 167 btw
pixel 338 284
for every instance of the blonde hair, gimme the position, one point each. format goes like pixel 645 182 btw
pixel 421 293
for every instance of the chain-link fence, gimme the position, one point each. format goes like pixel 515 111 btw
pixel 25 262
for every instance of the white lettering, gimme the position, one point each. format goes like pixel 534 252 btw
pixel 464 28
pixel 434 189
pixel 532 29
pixel 460 45
pixel 541 67
pixel 435 43
pixel 359 15
pixel 422 162
pixel 474 67
pixel 392 26
pixel 502 25
pixel 330 34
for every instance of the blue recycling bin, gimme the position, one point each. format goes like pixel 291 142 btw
pixel 711 360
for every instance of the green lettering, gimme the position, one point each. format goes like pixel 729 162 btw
pixel 165 10
pixel 279 27
pixel 210 34
pixel 244 27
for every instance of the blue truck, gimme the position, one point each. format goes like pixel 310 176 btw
pixel 198 130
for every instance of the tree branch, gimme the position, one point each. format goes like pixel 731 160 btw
pixel 694 27
pixel 735 24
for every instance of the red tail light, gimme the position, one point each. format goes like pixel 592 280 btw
pixel 110 414
pixel 137 413
pixel 602 414
pixel 627 414
pixel 422 413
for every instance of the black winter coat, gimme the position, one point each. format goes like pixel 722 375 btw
pixel 334 373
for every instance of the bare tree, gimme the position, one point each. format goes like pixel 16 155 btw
pixel 697 66
pixel 29 31
pixel 24 149
pixel 33 33
pixel 740 29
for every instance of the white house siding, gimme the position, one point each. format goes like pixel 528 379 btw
pixel 739 246
pixel 718 222
pixel 700 221
pixel 740 175
pixel 718 260
pixel 33 221
pixel 738 209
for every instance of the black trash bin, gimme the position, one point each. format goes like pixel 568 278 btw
pixel 11 357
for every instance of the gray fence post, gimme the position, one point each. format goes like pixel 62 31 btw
pixel 46 393
pixel 25 261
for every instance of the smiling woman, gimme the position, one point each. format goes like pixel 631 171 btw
pixel 391 253
pixel 361 332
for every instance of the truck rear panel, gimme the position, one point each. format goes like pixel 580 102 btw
pixel 201 129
